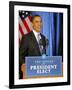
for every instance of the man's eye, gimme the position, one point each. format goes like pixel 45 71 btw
pixel 38 22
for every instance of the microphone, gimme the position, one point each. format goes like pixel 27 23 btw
pixel 44 43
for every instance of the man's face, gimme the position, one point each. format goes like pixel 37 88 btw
pixel 37 23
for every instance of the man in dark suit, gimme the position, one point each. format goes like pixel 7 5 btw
pixel 32 44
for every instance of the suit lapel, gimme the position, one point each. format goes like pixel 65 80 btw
pixel 34 42
pixel 43 40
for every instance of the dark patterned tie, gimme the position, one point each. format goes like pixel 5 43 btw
pixel 40 44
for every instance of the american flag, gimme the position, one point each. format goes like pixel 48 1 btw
pixel 24 23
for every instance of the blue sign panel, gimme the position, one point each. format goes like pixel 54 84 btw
pixel 43 66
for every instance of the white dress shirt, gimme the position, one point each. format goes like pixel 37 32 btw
pixel 36 35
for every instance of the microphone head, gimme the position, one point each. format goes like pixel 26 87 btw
pixel 44 43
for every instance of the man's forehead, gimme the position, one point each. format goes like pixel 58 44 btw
pixel 37 18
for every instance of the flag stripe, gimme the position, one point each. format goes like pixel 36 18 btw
pixel 25 24
pixel 20 36
pixel 29 18
pixel 28 22
pixel 22 26
pixel 20 29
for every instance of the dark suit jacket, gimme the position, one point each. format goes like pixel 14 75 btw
pixel 29 46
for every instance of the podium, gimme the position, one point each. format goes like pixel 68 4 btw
pixel 43 66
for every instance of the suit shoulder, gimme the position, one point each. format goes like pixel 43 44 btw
pixel 25 39
pixel 27 35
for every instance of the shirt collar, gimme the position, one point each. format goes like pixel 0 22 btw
pixel 36 33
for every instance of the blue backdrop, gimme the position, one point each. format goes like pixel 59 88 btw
pixel 52 28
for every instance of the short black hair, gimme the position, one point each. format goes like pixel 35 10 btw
pixel 32 18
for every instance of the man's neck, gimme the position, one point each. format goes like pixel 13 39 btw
pixel 35 31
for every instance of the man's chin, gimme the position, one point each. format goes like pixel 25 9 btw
pixel 38 30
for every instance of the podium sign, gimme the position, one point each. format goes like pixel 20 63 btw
pixel 43 66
